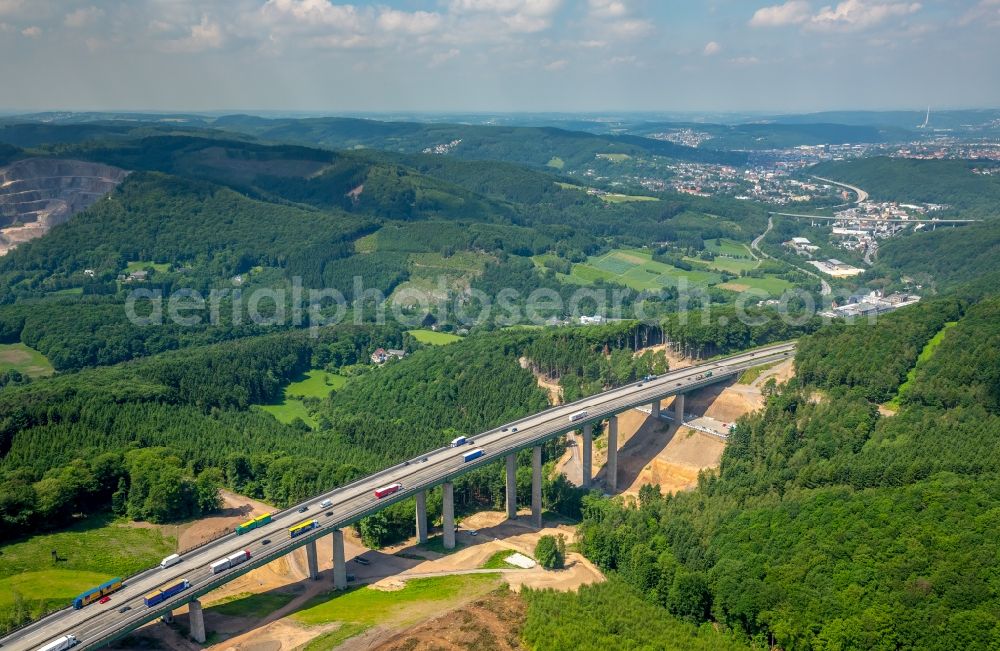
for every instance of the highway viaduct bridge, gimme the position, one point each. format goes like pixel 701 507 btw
pixel 97 625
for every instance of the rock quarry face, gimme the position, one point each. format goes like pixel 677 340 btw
pixel 39 193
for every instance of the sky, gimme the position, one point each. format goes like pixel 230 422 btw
pixel 498 55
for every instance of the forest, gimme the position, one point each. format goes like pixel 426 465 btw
pixel 828 524
pixel 195 405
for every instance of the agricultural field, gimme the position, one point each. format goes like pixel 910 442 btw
pixel 434 338
pixel 316 383
pixel 146 264
pixel 556 163
pixel 89 553
pixel 728 247
pixel 24 359
pixel 771 284
pixel 636 269
pixel 614 158
pixel 614 197
pixel 364 607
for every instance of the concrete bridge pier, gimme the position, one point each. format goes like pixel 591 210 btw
pixel 679 409
pixel 654 409
pixel 536 487
pixel 339 565
pixel 511 486
pixel 197 621
pixel 421 516
pixel 612 467
pixel 588 449
pixel 312 559
pixel 448 514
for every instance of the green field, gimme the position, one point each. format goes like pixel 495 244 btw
pixel 615 158
pixel 316 383
pixel 614 197
pixel 90 553
pixel 725 263
pixel 556 163
pixel 925 354
pixel 288 410
pixel 636 269
pixel 497 562
pixel 728 247
pixel 250 604
pixel 434 338
pixel 69 291
pixel 366 605
pixel 146 264
pixel 770 284
pixel 24 359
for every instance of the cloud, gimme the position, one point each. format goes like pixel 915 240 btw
pixel 441 57
pixel 32 32
pixel 986 12
pixel 847 15
pixel 860 14
pixel 10 7
pixel 206 35
pixel 629 60
pixel 557 65
pixel 711 48
pixel 522 16
pixel 608 8
pixel 792 12
pixel 615 18
pixel 83 17
pixel 744 61
pixel 417 22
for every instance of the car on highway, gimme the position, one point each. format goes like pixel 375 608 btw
pixel 473 532
pixel 266 541
pixel 329 514
pixel 360 560
pixel 125 609
pixel 424 460
pixel 504 429
pixel 105 599
pixel 303 509
pixel 513 429
pixel 639 385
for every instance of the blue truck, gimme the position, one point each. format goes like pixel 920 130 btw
pixel 475 454
pixel 162 594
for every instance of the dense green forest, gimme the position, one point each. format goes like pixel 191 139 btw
pixel 944 258
pixel 828 525
pixel 195 403
pixel 950 182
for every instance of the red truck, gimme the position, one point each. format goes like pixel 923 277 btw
pixel 387 490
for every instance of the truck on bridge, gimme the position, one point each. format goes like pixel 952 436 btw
pixel 65 642
pixel 385 491
pixel 164 593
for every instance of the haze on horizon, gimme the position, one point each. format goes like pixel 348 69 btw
pixel 499 55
